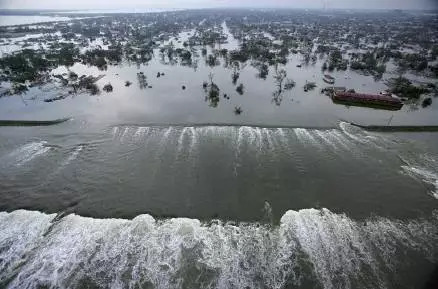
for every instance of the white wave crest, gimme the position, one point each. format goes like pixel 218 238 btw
pixel 28 152
pixel 187 253
pixel 305 137
pixel 73 155
pixel 425 174
pixel 20 232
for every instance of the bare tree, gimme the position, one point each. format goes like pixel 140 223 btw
pixel 280 76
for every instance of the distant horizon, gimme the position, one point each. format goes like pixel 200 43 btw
pixel 76 5
pixel 133 10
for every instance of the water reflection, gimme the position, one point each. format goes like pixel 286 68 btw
pixel 260 84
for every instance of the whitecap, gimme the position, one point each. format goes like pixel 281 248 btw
pixel 117 253
pixel 28 152
pixel 425 174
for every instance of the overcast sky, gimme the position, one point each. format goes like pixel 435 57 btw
pixel 145 4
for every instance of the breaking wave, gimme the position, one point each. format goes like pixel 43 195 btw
pixel 346 142
pixel 28 152
pixel 310 248
pixel 424 168
pixel 74 154
pixel 259 138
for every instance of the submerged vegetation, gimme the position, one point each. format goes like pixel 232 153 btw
pixel 403 87
pixel 212 91
pixel 309 86
pixel 240 89
pixel 108 87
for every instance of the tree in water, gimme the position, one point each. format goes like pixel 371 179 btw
pixel 93 89
pixel 212 91
pixel 142 80
pixel 19 88
pixel 235 76
pixel 101 63
pixel 426 102
pixel 263 71
pixel 262 67
pixel 240 89
pixel 282 84
pixel 212 60
pixel 307 56
pixel 279 77
pixel 108 87
pixel 237 110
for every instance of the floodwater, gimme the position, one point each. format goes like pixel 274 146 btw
pixel 216 207
pixel 167 103
pixel 9 20
pixel 155 188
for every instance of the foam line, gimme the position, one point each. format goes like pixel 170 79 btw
pixel 305 137
pixel 180 252
pixel 28 152
pixel 426 175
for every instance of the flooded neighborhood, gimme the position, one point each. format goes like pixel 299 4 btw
pixel 274 65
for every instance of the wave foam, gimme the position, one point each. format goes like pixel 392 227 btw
pixel 426 175
pixel 309 247
pixel 73 155
pixel 28 152
pixel 20 233
pixel 345 138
